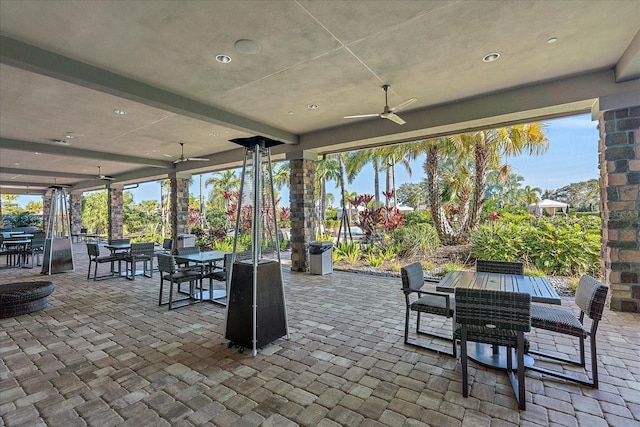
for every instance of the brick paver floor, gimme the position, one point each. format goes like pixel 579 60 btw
pixel 104 354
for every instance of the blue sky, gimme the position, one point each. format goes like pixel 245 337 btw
pixel 572 157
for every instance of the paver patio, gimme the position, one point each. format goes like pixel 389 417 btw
pixel 104 354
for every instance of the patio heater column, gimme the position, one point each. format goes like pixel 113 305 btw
pixel 58 256
pixel 302 202
pixel 46 209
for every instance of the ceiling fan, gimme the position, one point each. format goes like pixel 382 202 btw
pixel 104 177
pixel 185 159
pixel 387 113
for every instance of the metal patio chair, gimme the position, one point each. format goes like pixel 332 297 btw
pixel 496 318
pixel 590 297
pixel 427 301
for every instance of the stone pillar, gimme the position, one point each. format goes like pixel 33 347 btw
pixel 302 201
pixel 619 158
pixel 115 219
pixel 76 213
pixel 46 210
pixel 179 202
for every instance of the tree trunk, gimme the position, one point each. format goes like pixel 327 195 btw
pixel 481 160
pixel 376 182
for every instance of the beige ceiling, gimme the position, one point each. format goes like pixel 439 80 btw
pixel 66 66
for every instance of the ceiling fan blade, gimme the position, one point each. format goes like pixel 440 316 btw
pixel 198 159
pixel 359 116
pixel 405 104
pixel 108 178
pixel 180 160
pixel 395 118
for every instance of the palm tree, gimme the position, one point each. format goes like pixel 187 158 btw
pixel 328 169
pixel 484 149
pixel 356 160
pixel 530 195
pixel 225 181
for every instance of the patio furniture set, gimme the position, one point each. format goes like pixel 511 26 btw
pixel 492 309
pixel 22 249
pixel 190 265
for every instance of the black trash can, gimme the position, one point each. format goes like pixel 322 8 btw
pixel 320 257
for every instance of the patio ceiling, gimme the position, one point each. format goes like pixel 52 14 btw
pixel 66 67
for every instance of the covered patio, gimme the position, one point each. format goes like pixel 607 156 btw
pixel 103 354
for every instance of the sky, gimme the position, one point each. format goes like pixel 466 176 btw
pixel 572 157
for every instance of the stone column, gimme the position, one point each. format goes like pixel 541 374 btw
pixel 619 158
pixel 115 220
pixel 302 201
pixel 76 213
pixel 179 201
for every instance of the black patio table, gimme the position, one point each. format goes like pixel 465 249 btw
pixel 539 288
pixel 206 258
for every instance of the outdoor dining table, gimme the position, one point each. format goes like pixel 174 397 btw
pixel 206 259
pixel 14 247
pixel 540 289
pixel 118 248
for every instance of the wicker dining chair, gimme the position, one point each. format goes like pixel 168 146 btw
pixel 504 267
pixel 140 252
pixel 496 318
pixel 169 271
pixel 93 251
pixel 427 301
pixel 590 297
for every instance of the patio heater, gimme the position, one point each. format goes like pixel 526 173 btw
pixel 256 313
pixel 58 256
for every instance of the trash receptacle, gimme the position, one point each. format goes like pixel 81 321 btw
pixel 320 257
pixel 186 240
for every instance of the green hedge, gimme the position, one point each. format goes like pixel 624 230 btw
pixel 557 246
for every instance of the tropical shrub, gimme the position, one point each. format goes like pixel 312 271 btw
pixel 21 219
pixel 556 246
pixel 348 251
pixel 417 217
pixel 415 240
pixel 375 258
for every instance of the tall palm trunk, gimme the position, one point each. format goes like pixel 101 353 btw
pixel 481 164
pixel 376 181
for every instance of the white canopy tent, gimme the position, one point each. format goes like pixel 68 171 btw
pixel 549 206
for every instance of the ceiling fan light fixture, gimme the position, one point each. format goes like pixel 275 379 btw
pixel 223 59
pixel 552 40
pixel 312 107
pixel 491 57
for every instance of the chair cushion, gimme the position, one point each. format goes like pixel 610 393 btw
pixel 557 320
pixel 183 276
pixel 483 334
pixel 434 304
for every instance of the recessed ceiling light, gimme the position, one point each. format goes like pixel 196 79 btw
pixel 291 113
pixel 491 57
pixel 247 46
pixel 552 40
pixel 16 163
pixel 69 136
pixel 225 59
pixel 120 112
pixel 37 153
pixel 213 134
pixel 312 106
